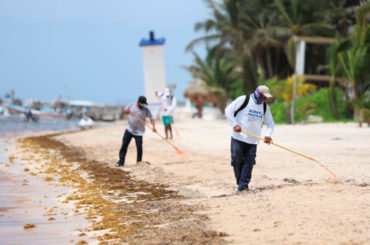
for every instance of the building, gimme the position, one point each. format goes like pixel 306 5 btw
pixel 154 67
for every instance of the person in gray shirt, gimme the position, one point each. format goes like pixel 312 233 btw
pixel 135 128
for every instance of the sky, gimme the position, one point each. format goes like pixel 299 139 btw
pixel 89 49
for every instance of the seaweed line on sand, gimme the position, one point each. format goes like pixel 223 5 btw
pixel 122 208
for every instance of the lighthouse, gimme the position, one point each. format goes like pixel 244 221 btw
pixel 153 64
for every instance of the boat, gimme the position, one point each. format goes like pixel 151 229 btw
pixel 86 123
pixel 38 113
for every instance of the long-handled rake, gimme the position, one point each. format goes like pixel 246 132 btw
pixel 179 152
pixel 176 131
pixel 300 154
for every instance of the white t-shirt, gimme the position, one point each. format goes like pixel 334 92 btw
pixel 250 119
pixel 167 105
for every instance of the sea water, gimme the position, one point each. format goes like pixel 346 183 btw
pixel 16 124
pixel 22 203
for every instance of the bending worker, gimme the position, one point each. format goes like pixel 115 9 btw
pixel 248 112
pixel 168 104
pixel 135 128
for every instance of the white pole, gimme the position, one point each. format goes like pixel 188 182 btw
pixel 299 70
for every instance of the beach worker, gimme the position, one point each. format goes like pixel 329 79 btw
pixel 248 112
pixel 135 128
pixel 30 117
pixel 168 104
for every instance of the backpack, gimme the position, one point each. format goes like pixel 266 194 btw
pixel 245 103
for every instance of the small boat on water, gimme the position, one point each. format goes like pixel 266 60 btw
pixel 20 109
pixel 3 111
pixel 7 117
pixel 86 122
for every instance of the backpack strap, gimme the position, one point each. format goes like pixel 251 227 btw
pixel 245 103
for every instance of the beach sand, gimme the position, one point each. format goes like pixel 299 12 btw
pixel 293 200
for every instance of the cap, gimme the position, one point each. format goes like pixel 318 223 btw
pixel 167 92
pixel 142 101
pixel 264 90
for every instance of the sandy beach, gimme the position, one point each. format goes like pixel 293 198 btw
pixel 293 200
pixel 82 80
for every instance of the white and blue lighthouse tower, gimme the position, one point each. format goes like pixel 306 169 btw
pixel 154 67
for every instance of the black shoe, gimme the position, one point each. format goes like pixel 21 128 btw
pixel 244 189
pixel 120 164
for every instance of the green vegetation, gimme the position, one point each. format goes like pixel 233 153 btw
pixel 249 42
pixel 320 100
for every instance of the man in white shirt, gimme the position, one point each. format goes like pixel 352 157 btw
pixel 248 113
pixel 168 104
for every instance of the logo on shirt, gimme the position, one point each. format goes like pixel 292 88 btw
pixel 254 115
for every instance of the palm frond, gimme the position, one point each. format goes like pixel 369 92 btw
pixel 318 29
pixel 362 14
pixel 290 52
pixel 283 11
pixel 204 39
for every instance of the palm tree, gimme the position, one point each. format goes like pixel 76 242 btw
pixel 300 18
pixel 334 69
pixel 226 28
pixel 341 14
pixel 257 30
pixel 260 34
pixel 355 62
pixel 217 72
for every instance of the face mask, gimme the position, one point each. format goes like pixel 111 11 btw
pixel 259 96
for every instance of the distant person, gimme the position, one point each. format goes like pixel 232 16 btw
pixel 135 128
pixel 30 117
pixel 248 112
pixel 168 104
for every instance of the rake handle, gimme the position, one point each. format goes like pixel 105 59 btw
pixel 177 132
pixel 285 148
pixel 138 118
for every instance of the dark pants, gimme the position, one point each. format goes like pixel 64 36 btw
pixel 126 141
pixel 243 157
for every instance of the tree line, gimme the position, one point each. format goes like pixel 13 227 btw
pixel 251 42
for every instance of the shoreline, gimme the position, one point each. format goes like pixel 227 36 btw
pixel 117 207
pixel 291 200
pixel 27 200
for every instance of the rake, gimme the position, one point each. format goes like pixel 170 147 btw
pixel 179 152
pixel 300 154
